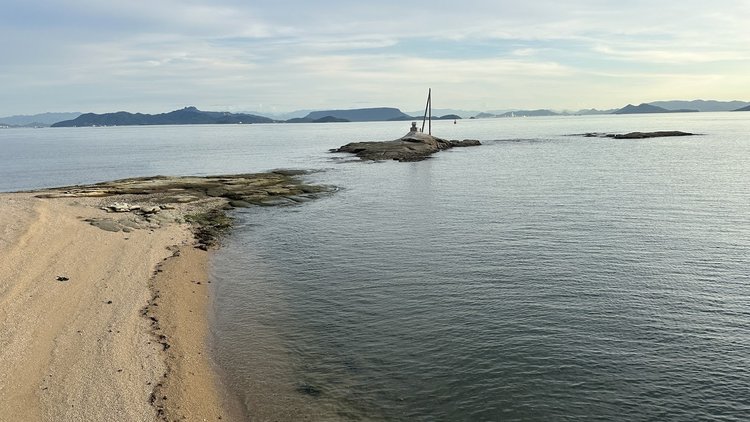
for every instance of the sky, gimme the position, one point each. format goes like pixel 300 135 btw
pixel 283 55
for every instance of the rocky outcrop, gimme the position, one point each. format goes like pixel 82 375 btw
pixel 414 146
pixel 658 134
pixel 151 202
pixel 638 135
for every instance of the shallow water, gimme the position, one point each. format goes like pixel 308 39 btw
pixel 538 277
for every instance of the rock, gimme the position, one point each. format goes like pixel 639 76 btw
pixel 240 204
pixel 466 143
pixel 636 135
pixel 290 172
pixel 658 134
pixel 62 278
pixel 216 192
pixel 200 201
pixel 309 390
pixel 181 199
pixel 414 146
pixel 277 201
pixel 131 224
pixel 121 207
pixel 105 224
pixel 301 198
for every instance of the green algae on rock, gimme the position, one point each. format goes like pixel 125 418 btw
pixel 149 202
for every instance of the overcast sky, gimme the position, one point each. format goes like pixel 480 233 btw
pixel 272 56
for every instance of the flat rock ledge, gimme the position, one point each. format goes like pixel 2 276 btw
pixel 150 202
pixel 638 135
pixel 414 146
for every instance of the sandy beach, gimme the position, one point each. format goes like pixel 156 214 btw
pixel 76 344
pixel 104 297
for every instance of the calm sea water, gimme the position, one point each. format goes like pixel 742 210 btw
pixel 541 276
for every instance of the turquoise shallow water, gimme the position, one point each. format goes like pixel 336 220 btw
pixel 541 276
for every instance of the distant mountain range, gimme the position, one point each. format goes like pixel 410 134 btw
pixel 191 115
pixel 701 105
pixel 464 114
pixel 37 120
pixel 541 113
pixel 185 116
pixel 645 108
pixel 648 108
pixel 377 114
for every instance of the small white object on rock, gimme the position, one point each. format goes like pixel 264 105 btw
pixel 120 207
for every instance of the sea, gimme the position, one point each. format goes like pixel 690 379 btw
pixel 542 276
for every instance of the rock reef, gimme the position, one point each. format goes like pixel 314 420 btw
pixel 414 146
pixel 150 202
pixel 638 135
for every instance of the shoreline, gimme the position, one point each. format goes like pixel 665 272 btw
pixel 104 306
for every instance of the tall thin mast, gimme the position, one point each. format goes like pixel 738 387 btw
pixel 428 107
pixel 429 122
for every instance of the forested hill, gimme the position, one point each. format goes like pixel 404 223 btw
pixel 185 116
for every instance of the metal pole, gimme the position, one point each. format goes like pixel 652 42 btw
pixel 426 107
pixel 429 101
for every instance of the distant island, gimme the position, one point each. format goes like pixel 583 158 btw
pixel 701 105
pixel 675 106
pixel 193 116
pixel 185 116
pixel 529 113
pixel 377 114
pixel 36 120
pixel 648 108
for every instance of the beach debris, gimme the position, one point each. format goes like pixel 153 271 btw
pixel 62 278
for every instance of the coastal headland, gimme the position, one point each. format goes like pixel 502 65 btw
pixel 414 146
pixel 104 296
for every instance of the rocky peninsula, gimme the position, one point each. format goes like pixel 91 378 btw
pixel 414 146
pixel 104 298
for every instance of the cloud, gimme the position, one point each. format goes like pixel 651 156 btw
pixel 148 55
